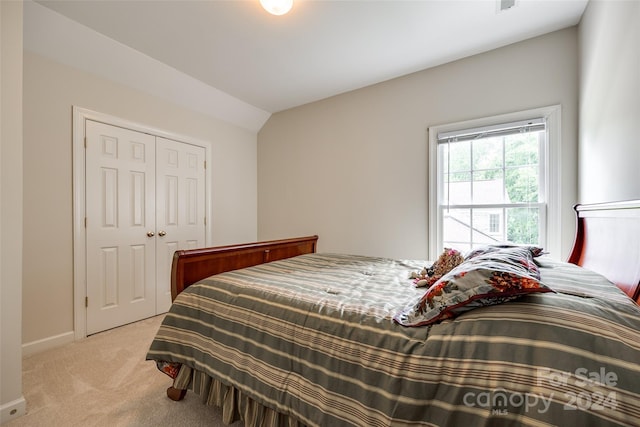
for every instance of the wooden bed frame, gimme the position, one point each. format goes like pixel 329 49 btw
pixel 190 266
pixel 608 241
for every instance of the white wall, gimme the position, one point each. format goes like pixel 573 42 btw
pixel 50 90
pixel 353 168
pixel 609 102
pixel 12 403
pixel 57 37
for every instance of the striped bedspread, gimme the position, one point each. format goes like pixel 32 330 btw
pixel 313 338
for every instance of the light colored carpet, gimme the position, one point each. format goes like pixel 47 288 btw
pixel 104 380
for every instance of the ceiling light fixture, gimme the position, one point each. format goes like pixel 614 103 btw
pixel 277 7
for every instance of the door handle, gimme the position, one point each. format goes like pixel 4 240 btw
pixel 150 234
pixel 162 233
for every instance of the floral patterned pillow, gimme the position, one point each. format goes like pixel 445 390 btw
pixel 491 277
pixel 535 251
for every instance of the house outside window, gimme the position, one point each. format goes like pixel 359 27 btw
pixel 495 180
pixel 494 223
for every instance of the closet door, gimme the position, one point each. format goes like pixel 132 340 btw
pixel 180 207
pixel 120 226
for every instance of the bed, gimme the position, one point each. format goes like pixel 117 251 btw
pixel 276 333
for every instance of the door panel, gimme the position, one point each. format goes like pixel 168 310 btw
pixel 145 199
pixel 180 207
pixel 120 182
pixel 109 277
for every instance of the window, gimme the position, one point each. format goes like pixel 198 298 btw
pixel 492 181
pixel 494 223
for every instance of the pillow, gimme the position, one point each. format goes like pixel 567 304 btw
pixel 491 277
pixel 534 250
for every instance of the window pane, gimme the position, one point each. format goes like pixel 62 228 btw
pixel 487 153
pixel 495 223
pixel 487 174
pixel 488 191
pixel 443 155
pixel 459 156
pixel 481 226
pixel 523 225
pixel 522 149
pixel 522 184
pixel 467 228
pixel 459 192
pixel 460 176
pixel 456 232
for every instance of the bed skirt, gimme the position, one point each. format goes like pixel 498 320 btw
pixel 234 404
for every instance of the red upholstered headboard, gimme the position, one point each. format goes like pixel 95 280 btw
pixel 608 242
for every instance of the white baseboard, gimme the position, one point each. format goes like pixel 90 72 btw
pixel 34 347
pixel 12 410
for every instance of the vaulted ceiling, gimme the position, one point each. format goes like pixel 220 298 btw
pixel 321 48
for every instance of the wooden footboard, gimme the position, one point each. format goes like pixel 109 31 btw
pixel 192 265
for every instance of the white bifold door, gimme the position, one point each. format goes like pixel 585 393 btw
pixel 145 199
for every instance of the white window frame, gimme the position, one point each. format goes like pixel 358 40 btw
pixel 551 180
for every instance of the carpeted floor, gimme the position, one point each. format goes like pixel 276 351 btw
pixel 104 380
